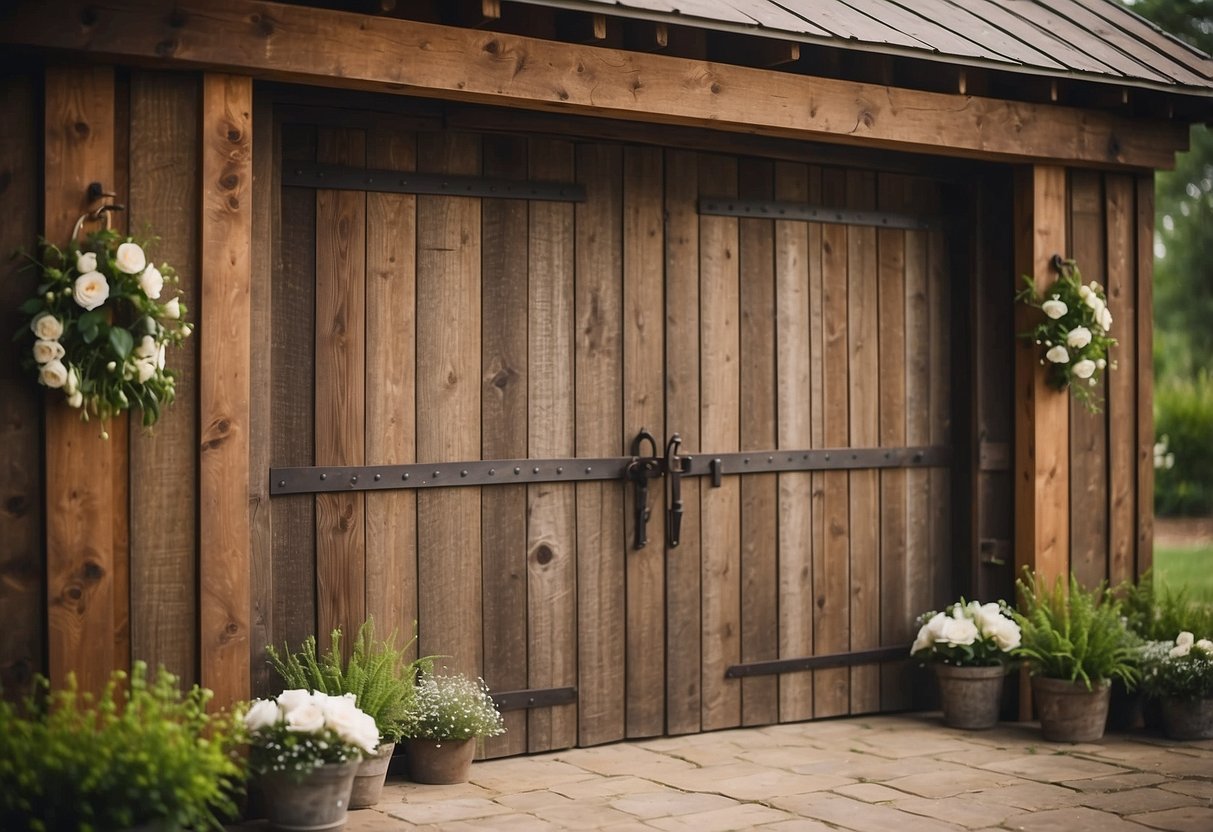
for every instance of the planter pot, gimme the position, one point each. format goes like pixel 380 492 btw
pixel 315 802
pixel 970 696
pixel 439 762
pixel 1068 711
pixel 368 782
pixel 1187 719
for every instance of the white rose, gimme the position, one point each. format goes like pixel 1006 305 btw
pixel 1105 319
pixel 145 368
pixel 1184 639
pixel 289 700
pixel 1206 645
pixel 1058 355
pixel 75 399
pixel 151 282
pixel 958 631
pixel 53 374
pixel 1078 337
pixel 1095 302
pixel 1007 635
pixel 306 719
pixel 47 327
pixel 989 617
pixel 925 639
pixel 146 348
pixel 130 258
pixel 1100 363
pixel 172 309
pixel 45 351
pixel 262 714
pixel 86 261
pixel 1084 368
pixel 1180 650
pixel 92 290
pixel 1084 292
pixel 1054 308
pixel 72 385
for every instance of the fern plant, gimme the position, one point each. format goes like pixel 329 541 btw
pixel 1157 612
pixel 1073 633
pixel 378 673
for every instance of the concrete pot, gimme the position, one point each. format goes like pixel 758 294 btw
pixel 316 802
pixel 1187 719
pixel 1069 712
pixel 439 762
pixel 368 782
pixel 970 696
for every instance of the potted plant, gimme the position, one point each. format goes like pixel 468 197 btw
pixel 305 748
pixel 141 754
pixel 382 681
pixel 442 723
pixel 969 645
pixel 1074 643
pixel 1182 679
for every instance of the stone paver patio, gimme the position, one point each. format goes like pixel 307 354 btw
pixel 868 774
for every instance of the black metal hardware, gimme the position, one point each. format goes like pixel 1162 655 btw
pixel 716 467
pixel 675 468
pixel 516 700
pixel 341 177
pixel 774 210
pixel 773 666
pixel 639 471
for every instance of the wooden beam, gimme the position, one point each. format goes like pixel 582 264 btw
pixel 1145 371
pixel 224 334
pixel 327 48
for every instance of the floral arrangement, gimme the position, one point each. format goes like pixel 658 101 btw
pixel 452 708
pixel 100 324
pixel 1074 335
pixel 300 730
pixel 1185 672
pixel 969 634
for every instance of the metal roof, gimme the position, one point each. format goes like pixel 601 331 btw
pixel 1094 40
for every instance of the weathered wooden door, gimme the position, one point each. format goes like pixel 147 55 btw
pixel 469 332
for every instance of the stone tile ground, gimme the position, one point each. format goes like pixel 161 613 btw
pixel 871 774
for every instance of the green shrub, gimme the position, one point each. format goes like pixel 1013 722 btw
pixel 1157 612
pixel 141 752
pixel 1183 421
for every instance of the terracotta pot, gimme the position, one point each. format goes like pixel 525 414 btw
pixel 368 782
pixel 315 802
pixel 439 762
pixel 1068 711
pixel 970 696
pixel 1187 719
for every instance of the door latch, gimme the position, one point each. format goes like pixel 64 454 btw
pixel 639 471
pixel 675 467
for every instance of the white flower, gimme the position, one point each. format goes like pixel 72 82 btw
pixel 160 357
pixel 262 714
pixel 1054 308
pixel 1105 319
pixel 146 348
pixel 130 258
pixel 1006 635
pixel 72 385
pixel 289 700
pixel 350 723
pixel 172 309
pixel 186 329
pixel 47 327
pixel 151 282
pixel 1205 644
pixel 1095 302
pixel 1078 337
pixel 53 374
pixel 306 719
pixel 145 368
pixel 75 399
pixel 1100 363
pixel 1058 355
pixel 1084 292
pixel 1183 645
pixel 958 631
pixel 45 351
pixel 86 261
pixel 1084 368
pixel 92 290
pixel 1169 461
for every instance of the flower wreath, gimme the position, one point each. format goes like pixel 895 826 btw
pixel 100 326
pixel 1074 336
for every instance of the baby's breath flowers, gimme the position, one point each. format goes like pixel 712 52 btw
pixel 452 708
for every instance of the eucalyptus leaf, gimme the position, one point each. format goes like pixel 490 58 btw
pixel 121 341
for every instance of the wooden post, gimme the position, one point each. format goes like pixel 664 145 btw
pixel 225 333
pixel 1042 429
pixel 80 504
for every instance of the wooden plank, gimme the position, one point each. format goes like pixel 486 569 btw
pixel 796 259
pixel 863 373
pixel 448 406
pixel 227 220
pixel 939 304
pixel 683 690
pixel 120 524
pixel 503 396
pixel 831 564
pixel 720 508
pixel 469 65
pixel 552 591
pixel 23 590
pixel 164 464
pixel 79 148
pixel 1088 431
pixel 1144 371
pixel 759 493
pixel 643 409
pixel 1121 386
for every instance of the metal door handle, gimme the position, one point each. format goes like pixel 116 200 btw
pixel 675 467
pixel 640 470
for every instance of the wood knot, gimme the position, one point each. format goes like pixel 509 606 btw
pixel 544 555
pixel 233 135
pixel 73 592
pixel 81 128
pixel 92 571
pixel 821 602
pixel 233 203
pixel 263 26
pixel 232 628
pixel 502 378
pixel 229 182
pixel 562 94
pixel 16 505
pixel 492 47
pixel 715 88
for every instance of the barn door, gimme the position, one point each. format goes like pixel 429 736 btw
pixel 471 334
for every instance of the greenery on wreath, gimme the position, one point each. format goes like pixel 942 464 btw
pixel 967 634
pixel 452 708
pixel 1073 337
pixel 100 324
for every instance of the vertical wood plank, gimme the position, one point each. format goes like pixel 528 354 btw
pixel 1121 385
pixel 503 393
pixel 79 149
pixel 551 507
pixel 23 590
pixel 817 386
pixel 602 632
pixel 939 347
pixel 1144 371
pixel 760 492
pixel 918 567
pixel 120 433
pixel 683 690
pixel 643 408
pixel 720 518
pixel 164 464
pixel 797 262
pixel 448 406
pixel 227 106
